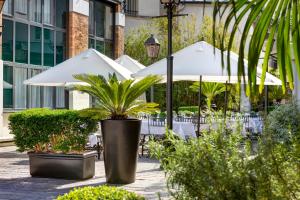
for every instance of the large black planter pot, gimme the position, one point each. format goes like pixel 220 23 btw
pixel 121 142
pixel 81 166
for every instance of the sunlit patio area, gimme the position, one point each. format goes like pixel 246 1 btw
pixel 16 182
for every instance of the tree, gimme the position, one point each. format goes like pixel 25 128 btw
pixel 209 90
pixel 275 26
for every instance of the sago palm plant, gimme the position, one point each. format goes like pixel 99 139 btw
pixel 209 90
pixel 270 26
pixel 116 99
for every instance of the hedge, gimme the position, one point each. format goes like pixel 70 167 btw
pixel 193 109
pixel 99 193
pixel 45 130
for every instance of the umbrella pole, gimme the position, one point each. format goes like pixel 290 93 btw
pixel 225 107
pixel 199 106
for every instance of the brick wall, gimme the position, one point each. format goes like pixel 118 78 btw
pixel 119 36
pixel 77 35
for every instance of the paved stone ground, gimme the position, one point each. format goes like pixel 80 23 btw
pixel 16 182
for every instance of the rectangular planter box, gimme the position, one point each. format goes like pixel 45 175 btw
pixel 66 166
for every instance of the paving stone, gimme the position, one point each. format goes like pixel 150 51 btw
pixel 16 182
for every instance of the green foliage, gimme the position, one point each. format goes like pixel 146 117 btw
pixel 209 90
pixel 223 165
pixel 100 193
pixel 117 99
pixel 265 27
pixel 193 109
pixel 44 130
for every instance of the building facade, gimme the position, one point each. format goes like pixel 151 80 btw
pixel 39 34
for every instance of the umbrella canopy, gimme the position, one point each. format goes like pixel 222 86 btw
pixel 7 85
pixel 201 59
pixel 87 62
pixel 130 64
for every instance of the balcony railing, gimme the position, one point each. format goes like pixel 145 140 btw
pixel 131 7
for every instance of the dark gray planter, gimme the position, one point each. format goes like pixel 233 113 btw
pixel 121 142
pixel 66 166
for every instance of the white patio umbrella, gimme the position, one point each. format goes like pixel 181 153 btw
pixel 130 63
pixel 87 62
pixel 133 66
pixel 201 61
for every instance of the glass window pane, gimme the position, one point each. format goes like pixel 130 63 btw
pixel 8 89
pixel 7 8
pixel 48 47
pixel 60 97
pixel 61 13
pixel 108 22
pixel 91 43
pixel 35 45
pixel 48 11
pixel 34 92
pixel 7 40
pixel 20 75
pixel 21 39
pixel 109 49
pixel 100 46
pixel 48 97
pixel 21 8
pixel 99 18
pixel 60 47
pixel 36 10
pixel 91 18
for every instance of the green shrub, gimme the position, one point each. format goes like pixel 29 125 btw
pixel 100 193
pixel 221 165
pixel 44 130
pixel 193 109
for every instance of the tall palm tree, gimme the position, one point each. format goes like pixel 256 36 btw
pixel 209 90
pixel 275 25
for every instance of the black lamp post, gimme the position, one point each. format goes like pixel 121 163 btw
pixel 152 46
pixel 170 5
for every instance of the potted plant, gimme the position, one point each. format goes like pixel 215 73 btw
pixel 117 102
pixel 55 141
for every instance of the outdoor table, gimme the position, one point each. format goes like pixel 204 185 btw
pixel 182 129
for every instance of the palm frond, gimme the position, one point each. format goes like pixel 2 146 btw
pixel 265 25
pixel 117 99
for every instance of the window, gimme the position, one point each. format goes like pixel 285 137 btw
pixel 21 8
pixel 36 11
pixel 100 46
pixel 7 8
pixel 61 13
pixel 101 27
pixel 7 88
pixel 108 50
pixel 20 75
pixel 7 40
pixel 91 43
pixel 91 18
pixel 21 43
pixel 60 47
pixel 60 97
pixel 35 45
pixel 48 97
pixel 108 23
pixel 99 18
pixel 48 11
pixel 131 7
pixel 34 92
pixel 48 47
